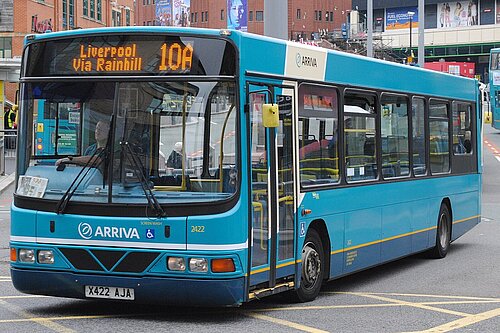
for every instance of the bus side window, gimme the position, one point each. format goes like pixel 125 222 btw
pixel 462 128
pixel 360 135
pixel 318 131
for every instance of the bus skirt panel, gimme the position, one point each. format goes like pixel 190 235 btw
pixel 188 292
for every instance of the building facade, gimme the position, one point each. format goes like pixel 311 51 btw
pixel 305 17
pixel 461 31
pixel 19 18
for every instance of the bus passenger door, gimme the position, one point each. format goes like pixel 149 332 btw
pixel 272 192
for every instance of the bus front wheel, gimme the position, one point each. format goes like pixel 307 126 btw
pixel 443 234
pixel 313 260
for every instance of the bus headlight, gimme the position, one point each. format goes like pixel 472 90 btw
pixel 198 265
pixel 176 264
pixel 45 257
pixel 27 255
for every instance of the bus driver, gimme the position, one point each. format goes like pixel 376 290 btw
pixel 101 137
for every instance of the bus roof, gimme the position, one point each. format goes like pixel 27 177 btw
pixel 271 56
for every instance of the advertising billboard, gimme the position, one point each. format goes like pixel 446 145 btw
pixel 457 14
pixel 181 13
pixel 163 12
pixel 237 14
pixel 399 18
pixel 173 13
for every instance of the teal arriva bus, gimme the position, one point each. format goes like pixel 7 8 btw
pixel 215 167
pixel 494 87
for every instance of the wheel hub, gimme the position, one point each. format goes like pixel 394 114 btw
pixel 443 232
pixel 311 266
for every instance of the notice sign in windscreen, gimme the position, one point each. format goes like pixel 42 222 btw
pixel 131 55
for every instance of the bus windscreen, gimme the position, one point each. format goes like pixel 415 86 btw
pixel 110 55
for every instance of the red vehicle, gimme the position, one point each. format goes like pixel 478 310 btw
pixel 467 69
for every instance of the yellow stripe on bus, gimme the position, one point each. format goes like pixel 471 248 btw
pixel 260 270
pixel 264 269
pixel 397 236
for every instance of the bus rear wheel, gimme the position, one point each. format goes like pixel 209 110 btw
pixel 313 259
pixel 443 234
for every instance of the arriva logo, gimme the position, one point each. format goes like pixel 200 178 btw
pixel 298 59
pixel 307 61
pixel 85 230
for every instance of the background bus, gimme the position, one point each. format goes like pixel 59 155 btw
pixel 494 87
pixel 295 168
pixel 57 128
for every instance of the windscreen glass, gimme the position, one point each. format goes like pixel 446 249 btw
pixel 118 142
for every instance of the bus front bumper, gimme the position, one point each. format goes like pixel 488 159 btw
pixel 162 290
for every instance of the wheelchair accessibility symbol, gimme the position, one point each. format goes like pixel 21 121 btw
pixel 150 233
pixel 302 229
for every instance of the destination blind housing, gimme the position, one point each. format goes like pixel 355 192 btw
pixel 131 55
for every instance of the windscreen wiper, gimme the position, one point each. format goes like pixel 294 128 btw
pixel 138 170
pixel 91 163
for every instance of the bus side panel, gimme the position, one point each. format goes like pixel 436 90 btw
pixel 465 213
pixel 396 222
pixel 362 227
pixel 420 221
pixel 335 225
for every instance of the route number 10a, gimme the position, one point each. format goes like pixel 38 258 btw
pixel 176 57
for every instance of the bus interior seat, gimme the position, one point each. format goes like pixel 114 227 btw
pixel 171 180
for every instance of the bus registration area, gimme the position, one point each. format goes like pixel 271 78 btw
pixel 109 292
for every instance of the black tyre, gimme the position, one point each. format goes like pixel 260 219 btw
pixel 313 263
pixel 443 234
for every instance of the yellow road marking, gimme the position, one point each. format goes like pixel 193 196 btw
pixel 284 323
pixel 458 302
pixel 416 305
pixel 463 322
pixel 4 321
pixel 22 296
pixel 426 295
pixel 42 321
pixel 377 305
pixel 326 307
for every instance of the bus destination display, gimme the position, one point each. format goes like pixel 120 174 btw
pixel 174 57
pixel 129 55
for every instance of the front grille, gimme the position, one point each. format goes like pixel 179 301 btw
pixel 136 262
pixel 81 259
pixel 109 260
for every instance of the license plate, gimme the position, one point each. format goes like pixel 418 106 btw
pixel 109 292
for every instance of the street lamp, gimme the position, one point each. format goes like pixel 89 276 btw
pixel 410 57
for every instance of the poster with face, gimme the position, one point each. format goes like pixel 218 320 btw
pixel 237 14
pixel 163 13
pixel 457 14
pixel 181 13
